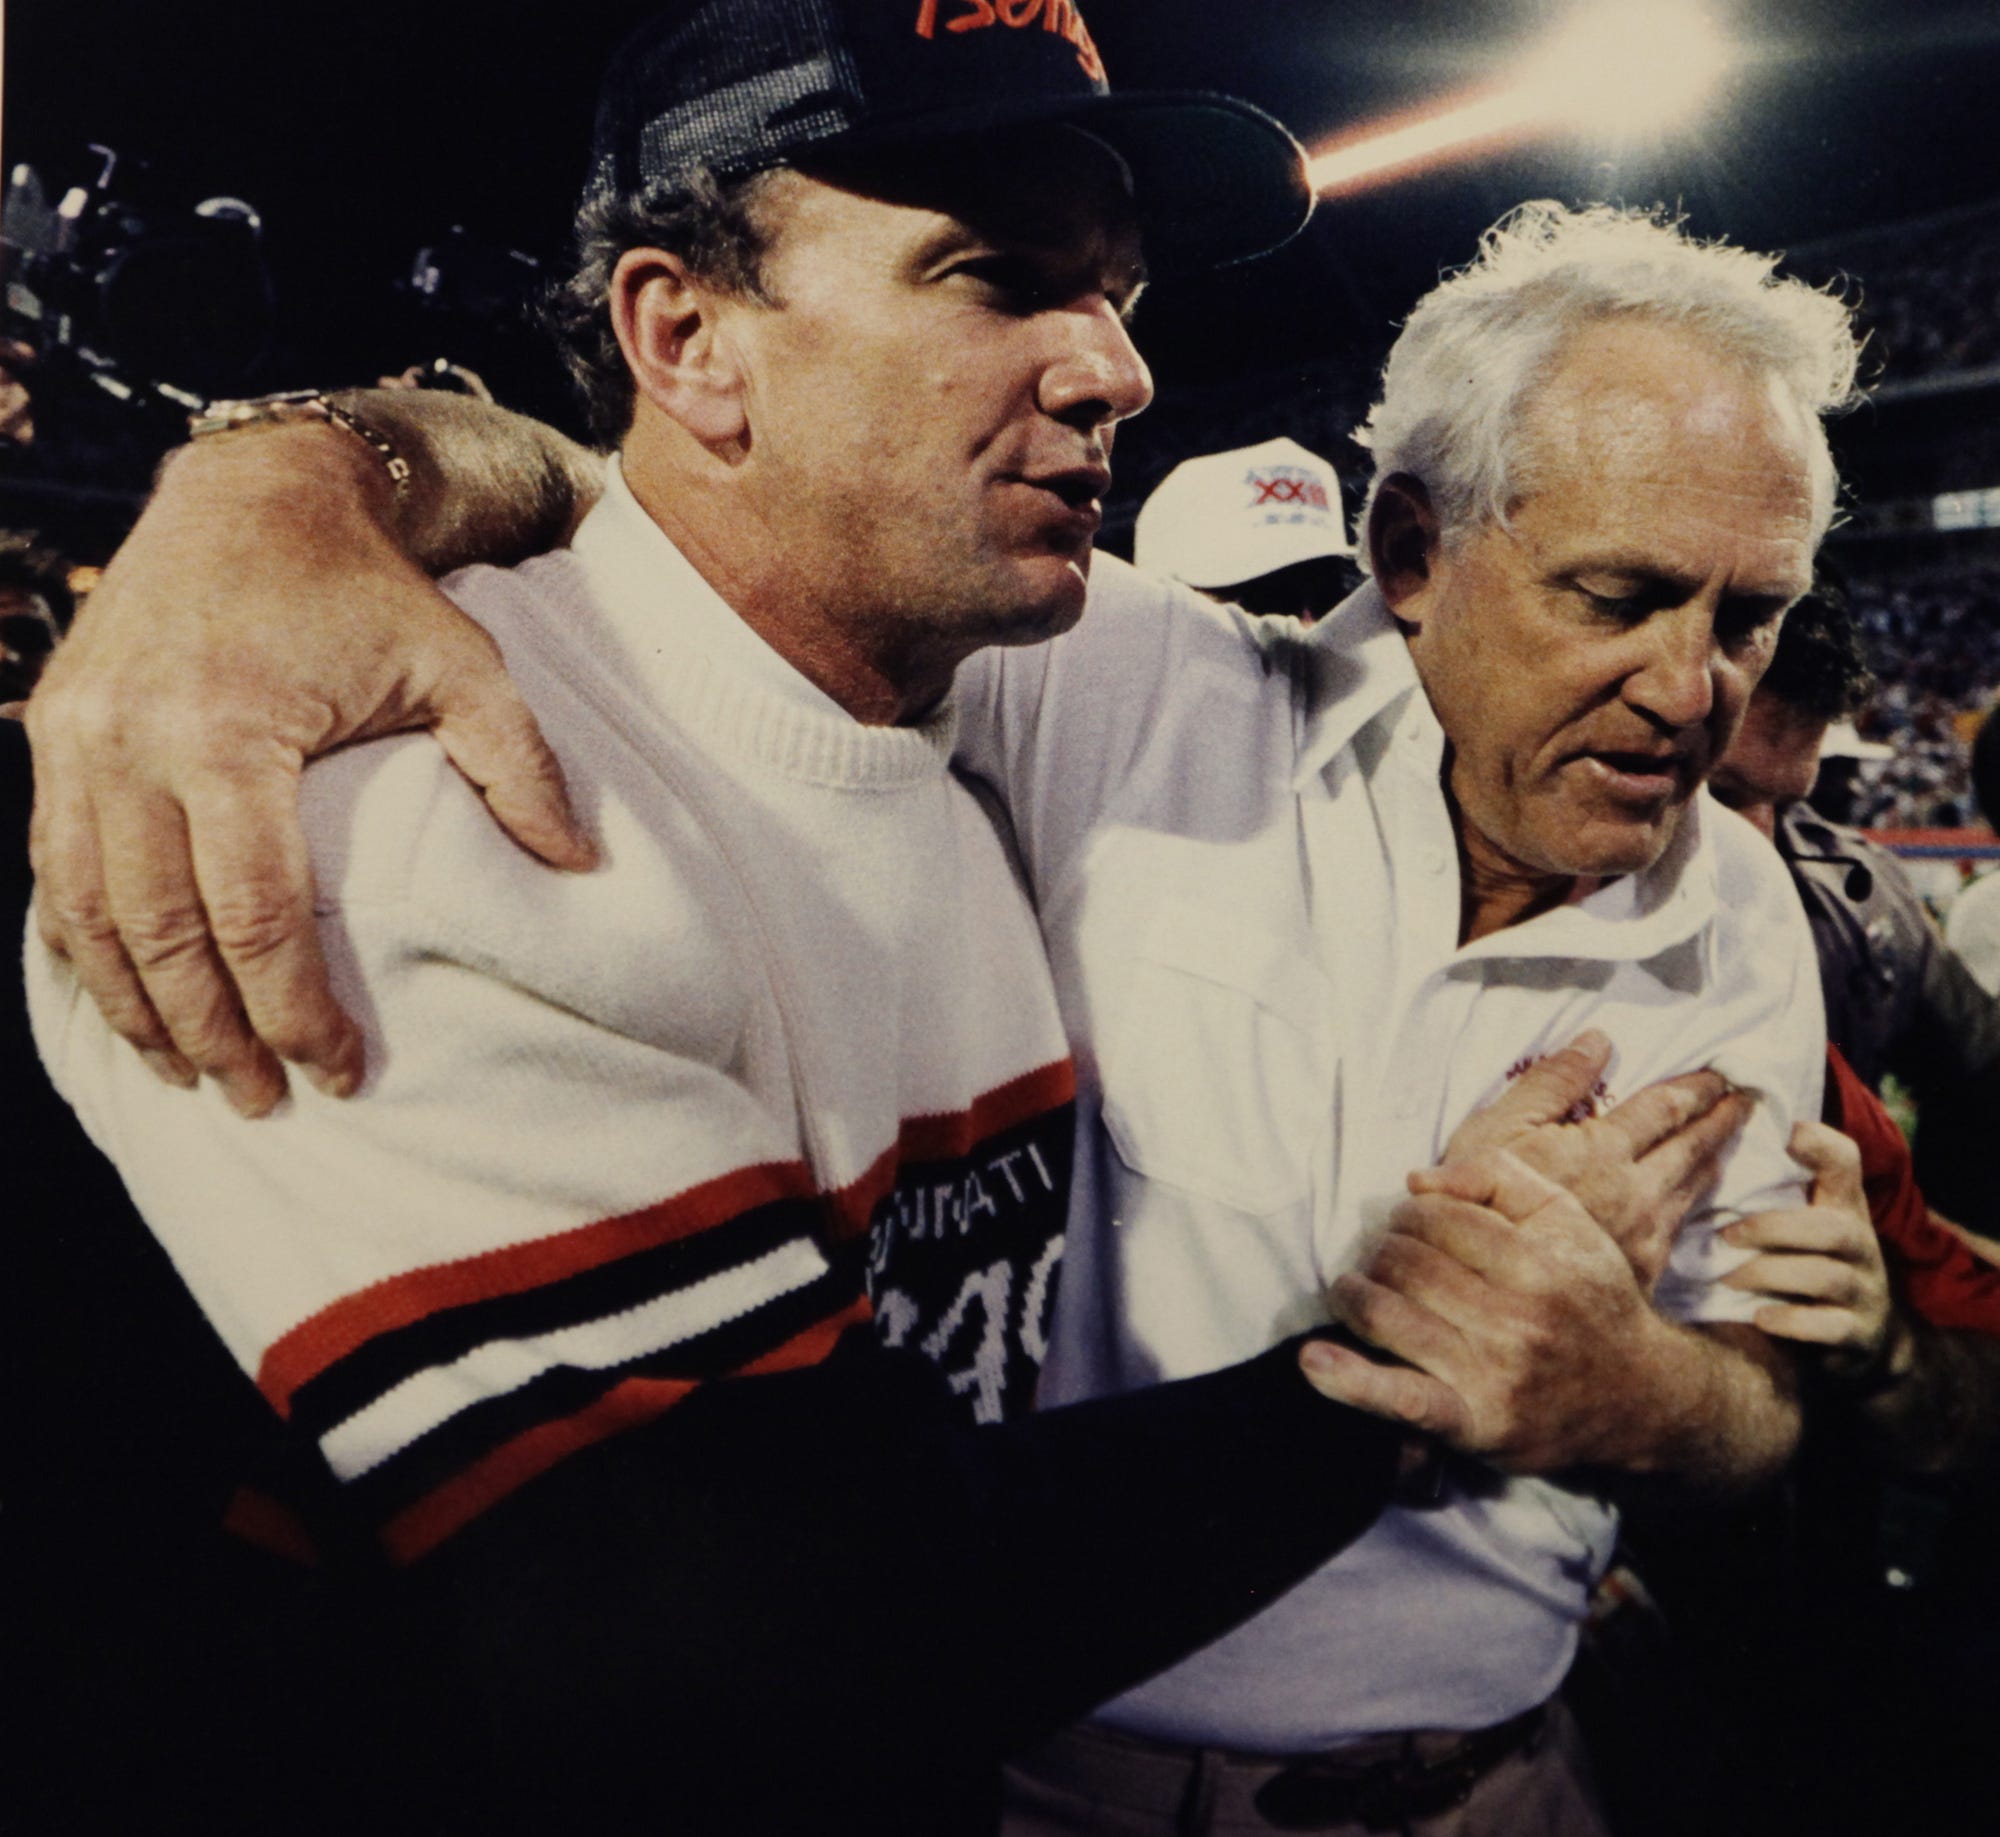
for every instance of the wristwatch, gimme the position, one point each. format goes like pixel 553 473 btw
pixel 299 405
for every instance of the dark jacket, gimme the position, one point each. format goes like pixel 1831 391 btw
pixel 1898 1000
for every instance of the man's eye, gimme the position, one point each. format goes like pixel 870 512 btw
pixel 1739 622
pixel 1017 284
pixel 1625 608
pixel 1004 273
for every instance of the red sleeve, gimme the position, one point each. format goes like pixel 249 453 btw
pixel 1933 1270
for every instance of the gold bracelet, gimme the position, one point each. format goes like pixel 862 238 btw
pixel 294 406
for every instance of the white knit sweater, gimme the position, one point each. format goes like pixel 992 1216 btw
pixel 628 1130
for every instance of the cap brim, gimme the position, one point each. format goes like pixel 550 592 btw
pixel 1169 540
pixel 1214 180
pixel 1843 741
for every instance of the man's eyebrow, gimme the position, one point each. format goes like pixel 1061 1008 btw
pixel 1648 570
pixel 951 237
pixel 1123 281
pixel 1636 563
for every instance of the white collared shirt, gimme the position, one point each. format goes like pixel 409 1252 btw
pixel 1247 876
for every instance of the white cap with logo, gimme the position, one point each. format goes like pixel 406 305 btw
pixel 1230 517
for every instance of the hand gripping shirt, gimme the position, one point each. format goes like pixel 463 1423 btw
pixel 789 1062
pixel 1247 877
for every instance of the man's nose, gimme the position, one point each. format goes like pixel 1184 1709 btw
pixel 1098 377
pixel 1675 683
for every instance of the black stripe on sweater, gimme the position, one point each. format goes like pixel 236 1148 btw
pixel 378 1366
pixel 565 1390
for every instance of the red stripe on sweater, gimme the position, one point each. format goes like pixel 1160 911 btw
pixel 939 1138
pixel 421 1527
pixel 349 1323
pixel 946 1137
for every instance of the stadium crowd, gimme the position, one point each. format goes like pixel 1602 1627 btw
pixel 1935 646
pixel 1927 293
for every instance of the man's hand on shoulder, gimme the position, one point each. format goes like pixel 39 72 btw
pixel 261 613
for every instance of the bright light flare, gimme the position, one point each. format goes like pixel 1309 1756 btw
pixel 1422 142
pixel 1617 71
pixel 1629 67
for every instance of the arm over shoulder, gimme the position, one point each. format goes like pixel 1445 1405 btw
pixel 557 1187
pixel 1152 674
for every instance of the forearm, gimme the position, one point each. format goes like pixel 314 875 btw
pixel 214 499
pixel 1715 1412
pixel 1133 1530
pixel 827 1554
pixel 485 484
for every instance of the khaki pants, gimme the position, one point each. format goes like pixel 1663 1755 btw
pixel 1089 1780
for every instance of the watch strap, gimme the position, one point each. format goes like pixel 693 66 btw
pixel 291 407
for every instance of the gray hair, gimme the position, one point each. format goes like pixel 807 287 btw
pixel 1453 390
pixel 714 225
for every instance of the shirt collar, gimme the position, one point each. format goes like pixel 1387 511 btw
pixel 668 637
pixel 643 580
pixel 1635 917
pixel 1359 669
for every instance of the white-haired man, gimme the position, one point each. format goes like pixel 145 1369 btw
pixel 1311 899
pixel 1600 478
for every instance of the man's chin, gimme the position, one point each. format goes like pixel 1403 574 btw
pixel 1601 848
pixel 1048 601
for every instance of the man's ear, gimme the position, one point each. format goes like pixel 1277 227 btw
pixel 1403 544
pixel 667 326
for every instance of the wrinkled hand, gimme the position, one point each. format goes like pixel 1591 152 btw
pixel 1821 1264
pixel 259 615
pixel 1525 1337
pixel 1639 1169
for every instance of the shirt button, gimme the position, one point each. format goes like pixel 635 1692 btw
pixel 1432 861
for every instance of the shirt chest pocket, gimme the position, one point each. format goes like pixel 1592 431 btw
pixel 1216 1060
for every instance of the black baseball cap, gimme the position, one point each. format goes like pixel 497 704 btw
pixel 741 86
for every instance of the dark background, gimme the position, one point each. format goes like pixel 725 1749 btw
pixel 362 131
